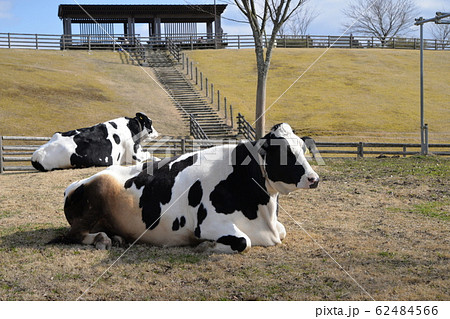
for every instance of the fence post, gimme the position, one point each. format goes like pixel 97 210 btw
pixel 1 155
pixel 9 40
pixel 182 61
pixel 206 84
pixel 212 93
pixel 191 72
pixel 404 150
pixel 187 66
pixel 37 41
pixel 196 76
pixel 425 151
pixel 201 81
pixel 231 115
pixel 183 146
pixel 239 42
pixel 218 100
pixel 361 149
pixel 89 43
pixel 225 105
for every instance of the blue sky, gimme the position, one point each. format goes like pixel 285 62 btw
pixel 41 16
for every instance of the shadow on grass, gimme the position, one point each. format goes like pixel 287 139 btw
pixel 138 253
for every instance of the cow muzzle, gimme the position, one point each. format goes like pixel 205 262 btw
pixel 313 181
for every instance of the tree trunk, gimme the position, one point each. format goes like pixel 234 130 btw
pixel 260 118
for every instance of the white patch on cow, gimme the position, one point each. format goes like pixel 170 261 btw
pixel 54 154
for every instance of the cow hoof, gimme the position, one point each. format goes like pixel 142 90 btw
pixel 102 242
pixel 118 241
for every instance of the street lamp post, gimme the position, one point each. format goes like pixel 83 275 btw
pixel 424 127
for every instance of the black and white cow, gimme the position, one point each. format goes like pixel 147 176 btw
pixel 104 144
pixel 224 197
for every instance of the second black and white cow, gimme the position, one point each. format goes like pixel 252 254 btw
pixel 114 142
pixel 224 197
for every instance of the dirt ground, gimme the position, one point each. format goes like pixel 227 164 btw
pixel 373 229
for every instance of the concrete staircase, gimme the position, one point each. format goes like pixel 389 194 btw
pixel 186 97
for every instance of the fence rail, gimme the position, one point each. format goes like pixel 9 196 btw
pixel 205 41
pixel 15 152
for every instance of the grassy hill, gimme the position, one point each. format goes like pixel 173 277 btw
pixel 363 95
pixel 46 91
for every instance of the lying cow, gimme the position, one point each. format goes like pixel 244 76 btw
pixel 225 196
pixel 113 142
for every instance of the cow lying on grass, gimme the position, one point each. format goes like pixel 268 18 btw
pixel 113 142
pixel 224 197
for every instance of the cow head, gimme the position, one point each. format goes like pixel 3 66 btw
pixel 146 124
pixel 284 160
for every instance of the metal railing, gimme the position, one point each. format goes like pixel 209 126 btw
pixel 245 128
pixel 206 41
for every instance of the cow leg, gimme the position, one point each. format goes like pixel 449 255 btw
pixel 99 240
pixel 281 230
pixel 224 239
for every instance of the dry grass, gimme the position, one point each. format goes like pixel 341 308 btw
pixel 361 95
pixel 47 91
pixel 385 221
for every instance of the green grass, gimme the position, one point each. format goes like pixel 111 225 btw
pixel 434 209
pixel 372 93
pixel 44 91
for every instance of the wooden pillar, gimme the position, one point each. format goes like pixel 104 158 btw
pixel 209 30
pixel 157 28
pixel 67 26
pixel 130 27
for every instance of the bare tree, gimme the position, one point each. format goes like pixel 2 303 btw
pixel 441 32
pixel 259 14
pixel 382 19
pixel 300 21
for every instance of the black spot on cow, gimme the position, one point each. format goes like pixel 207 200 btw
pixel 38 166
pixel 178 223
pixel 69 133
pixel 113 125
pixel 281 162
pixel 158 187
pixel 118 157
pixel 236 243
pixel 116 138
pixel 93 147
pixel 241 191
pixel 201 215
pixel 195 194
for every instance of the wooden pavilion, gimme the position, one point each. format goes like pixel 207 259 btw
pixel 162 20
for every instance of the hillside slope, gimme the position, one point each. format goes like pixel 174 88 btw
pixel 366 95
pixel 47 91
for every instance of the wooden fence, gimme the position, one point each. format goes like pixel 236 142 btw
pixel 204 41
pixel 16 151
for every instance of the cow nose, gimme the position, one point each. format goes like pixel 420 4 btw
pixel 314 182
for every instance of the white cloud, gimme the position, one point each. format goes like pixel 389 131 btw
pixel 5 10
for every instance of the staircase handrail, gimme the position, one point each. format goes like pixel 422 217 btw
pixel 245 128
pixel 173 48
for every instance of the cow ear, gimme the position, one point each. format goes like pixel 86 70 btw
pixel 141 116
